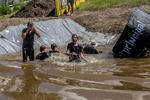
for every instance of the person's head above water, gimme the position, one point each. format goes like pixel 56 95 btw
pixel 54 46
pixel 30 25
pixel 42 48
pixel 94 43
pixel 75 37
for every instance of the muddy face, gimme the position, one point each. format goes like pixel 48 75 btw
pixel 102 79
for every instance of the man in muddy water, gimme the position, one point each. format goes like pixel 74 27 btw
pixel 74 50
pixel 70 7
pixel 28 41
pixel 44 54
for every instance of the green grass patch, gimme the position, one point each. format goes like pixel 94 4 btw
pixel 97 4
pixel 6 11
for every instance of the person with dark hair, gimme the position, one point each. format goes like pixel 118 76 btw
pixel 54 48
pixel 74 50
pixel 28 41
pixel 44 54
pixel 70 7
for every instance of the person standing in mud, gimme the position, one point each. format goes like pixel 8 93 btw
pixel 28 41
pixel 70 7
pixel 74 50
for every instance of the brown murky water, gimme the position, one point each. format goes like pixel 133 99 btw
pixel 105 78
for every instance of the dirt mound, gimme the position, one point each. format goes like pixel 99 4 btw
pixel 37 8
pixel 109 20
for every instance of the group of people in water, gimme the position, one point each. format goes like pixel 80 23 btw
pixel 74 49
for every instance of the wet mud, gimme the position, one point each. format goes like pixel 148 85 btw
pixel 105 78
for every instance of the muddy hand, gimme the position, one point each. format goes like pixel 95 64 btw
pixel 73 53
pixel 32 27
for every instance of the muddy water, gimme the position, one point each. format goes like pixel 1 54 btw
pixel 105 78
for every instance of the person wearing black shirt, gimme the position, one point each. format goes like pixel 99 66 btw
pixel 74 50
pixel 28 41
pixel 43 55
pixel 91 48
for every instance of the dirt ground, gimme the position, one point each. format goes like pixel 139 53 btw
pixel 37 8
pixel 109 20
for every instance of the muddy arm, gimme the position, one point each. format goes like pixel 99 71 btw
pixel 36 32
pixel 24 34
pixel 68 52
pixel 84 58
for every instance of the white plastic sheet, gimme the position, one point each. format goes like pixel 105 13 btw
pixel 52 31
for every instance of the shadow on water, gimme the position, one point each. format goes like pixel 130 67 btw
pixel 134 67
pixel 30 84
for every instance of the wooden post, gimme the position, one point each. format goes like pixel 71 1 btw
pixel 57 4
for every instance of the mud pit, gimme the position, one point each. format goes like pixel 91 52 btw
pixel 105 78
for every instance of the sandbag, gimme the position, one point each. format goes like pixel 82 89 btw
pixel 135 38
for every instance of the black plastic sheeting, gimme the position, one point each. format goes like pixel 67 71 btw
pixel 52 31
pixel 135 39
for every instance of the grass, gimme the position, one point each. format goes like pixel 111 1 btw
pixel 7 16
pixel 6 11
pixel 91 4
pixel 97 4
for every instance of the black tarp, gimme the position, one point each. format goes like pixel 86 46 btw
pixel 134 40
